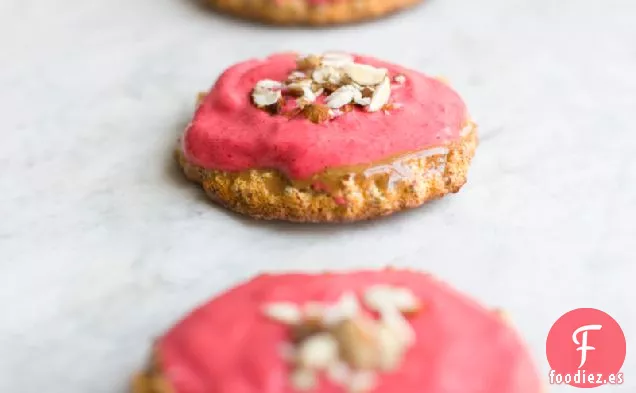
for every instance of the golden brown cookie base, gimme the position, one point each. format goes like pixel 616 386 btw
pixel 251 192
pixel 301 12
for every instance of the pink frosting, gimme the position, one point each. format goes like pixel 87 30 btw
pixel 229 133
pixel 229 346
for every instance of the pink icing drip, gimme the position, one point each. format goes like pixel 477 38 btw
pixel 229 133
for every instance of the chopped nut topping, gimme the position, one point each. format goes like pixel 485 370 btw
pixel 283 312
pixel 318 351
pixel 365 75
pixel 357 342
pixel 382 297
pixel 295 75
pixel 317 113
pixel 343 341
pixel 331 81
pixel 343 96
pixel 295 90
pixel 276 107
pixel 309 327
pixel 380 96
pixel 308 63
pixel 267 92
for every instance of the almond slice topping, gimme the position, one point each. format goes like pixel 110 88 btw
pixel 380 96
pixel 318 352
pixel 325 87
pixel 267 92
pixel 365 75
pixel 284 312
pixel 383 297
pixel 343 96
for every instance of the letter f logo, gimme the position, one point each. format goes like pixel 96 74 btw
pixel 583 344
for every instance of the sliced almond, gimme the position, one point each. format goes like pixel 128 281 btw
pixel 267 92
pixel 318 351
pixel 263 98
pixel 380 96
pixel 314 310
pixel 297 88
pixel 357 341
pixel 342 96
pixel 393 319
pixel 346 307
pixel 365 75
pixel 296 75
pixel 382 297
pixel 405 300
pixel 308 62
pixel 327 75
pixel 283 312
pixel 268 84
pixel 391 348
pixel 379 297
pixel 307 97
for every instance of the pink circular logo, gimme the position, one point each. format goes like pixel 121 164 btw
pixel 586 348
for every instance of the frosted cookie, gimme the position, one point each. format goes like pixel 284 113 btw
pixel 390 331
pixel 310 12
pixel 327 138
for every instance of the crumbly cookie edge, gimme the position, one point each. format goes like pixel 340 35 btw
pixel 248 196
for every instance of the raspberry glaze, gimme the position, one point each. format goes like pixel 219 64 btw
pixel 229 346
pixel 229 133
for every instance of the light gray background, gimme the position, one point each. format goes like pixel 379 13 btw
pixel 103 245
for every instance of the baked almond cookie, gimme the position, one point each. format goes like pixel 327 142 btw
pixel 311 12
pixel 336 137
pixel 389 331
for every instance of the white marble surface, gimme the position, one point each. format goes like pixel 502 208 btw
pixel 103 244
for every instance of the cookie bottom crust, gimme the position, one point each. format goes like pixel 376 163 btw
pixel 301 12
pixel 250 192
